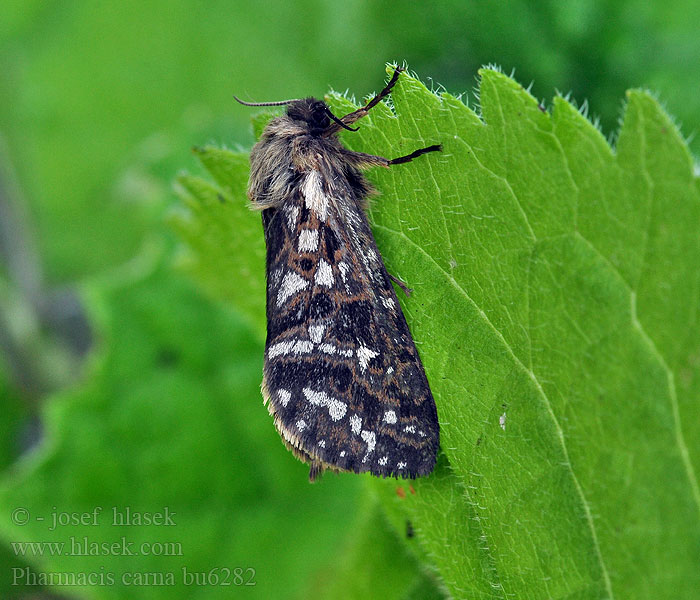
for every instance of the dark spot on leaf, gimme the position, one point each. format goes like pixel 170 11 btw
pixel 167 357
pixel 409 530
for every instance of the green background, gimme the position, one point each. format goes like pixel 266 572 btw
pixel 105 346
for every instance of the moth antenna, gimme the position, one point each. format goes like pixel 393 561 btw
pixel 356 115
pixel 387 89
pixel 279 103
pixel 339 122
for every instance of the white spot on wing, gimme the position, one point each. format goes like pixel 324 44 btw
pixel 294 346
pixel 308 240
pixel 316 333
pixel 276 276
pixel 324 274
pixel 355 424
pixel 343 268
pixel 371 440
pixel 410 428
pixel 383 460
pixel 279 348
pixel 336 408
pixel 284 397
pixel 302 347
pixel 316 200
pixel 327 348
pixel 292 213
pixel 364 355
pixel 388 303
pixel 301 424
pixel 390 417
pixel 401 465
pixel 291 284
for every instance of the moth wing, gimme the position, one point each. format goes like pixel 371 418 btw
pixel 342 376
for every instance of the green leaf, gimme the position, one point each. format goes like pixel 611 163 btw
pixel 555 307
pixel 224 236
pixel 354 574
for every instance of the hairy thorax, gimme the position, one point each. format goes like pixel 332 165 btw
pixel 287 155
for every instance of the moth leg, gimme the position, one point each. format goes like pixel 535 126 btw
pixel 406 290
pixel 415 154
pixel 361 160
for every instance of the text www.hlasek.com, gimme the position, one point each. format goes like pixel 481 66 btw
pixel 84 547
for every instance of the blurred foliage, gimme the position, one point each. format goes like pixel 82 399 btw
pixel 101 104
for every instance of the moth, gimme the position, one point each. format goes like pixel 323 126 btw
pixel 342 377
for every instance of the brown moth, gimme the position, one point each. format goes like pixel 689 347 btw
pixel 342 377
